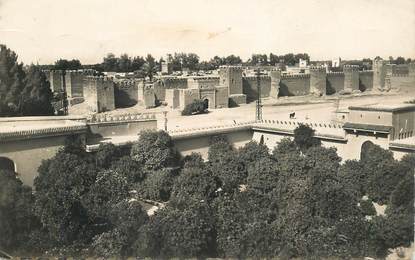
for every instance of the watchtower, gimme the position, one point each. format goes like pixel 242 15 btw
pixel 379 73
pixel 57 80
pixel 318 80
pixel 351 77
pixel 275 82
pixel 231 78
pixel 99 93
pixel 74 83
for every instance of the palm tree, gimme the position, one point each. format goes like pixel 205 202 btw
pixel 149 68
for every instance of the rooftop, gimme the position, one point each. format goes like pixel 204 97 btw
pixel 367 127
pixel 385 107
pixel 35 127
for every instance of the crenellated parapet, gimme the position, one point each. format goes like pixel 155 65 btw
pixel 317 68
pixel 253 78
pixel 295 123
pixel 74 72
pixel 202 78
pixel 324 130
pixel 348 68
pixel 295 76
pixel 400 75
pixel 174 82
pixel 335 74
pixel 208 82
pixel 231 67
pixel 366 72
pixel 128 117
pixel 174 79
pixel 98 79
pixel 20 128
pixel 126 84
pixel 209 130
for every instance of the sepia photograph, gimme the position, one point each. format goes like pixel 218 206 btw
pixel 207 129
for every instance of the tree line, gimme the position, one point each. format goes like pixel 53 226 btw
pixel 24 91
pixel 192 62
pixel 295 201
pixel 179 62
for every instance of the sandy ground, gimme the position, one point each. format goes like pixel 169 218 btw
pixel 307 108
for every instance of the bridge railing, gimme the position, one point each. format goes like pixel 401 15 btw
pixel 101 118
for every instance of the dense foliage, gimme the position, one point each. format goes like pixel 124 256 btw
pixel 198 106
pixel 63 64
pixel 23 91
pixel 16 214
pixel 297 201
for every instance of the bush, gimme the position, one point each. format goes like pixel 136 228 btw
pixel 304 137
pixel 157 185
pixel 367 207
pixel 198 106
pixel 154 150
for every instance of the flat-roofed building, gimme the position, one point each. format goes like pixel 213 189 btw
pixel 397 121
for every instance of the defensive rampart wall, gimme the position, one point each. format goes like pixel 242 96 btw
pixel 334 82
pixel 250 87
pixel 295 85
pixel 126 93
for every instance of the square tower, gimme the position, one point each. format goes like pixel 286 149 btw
pixel 230 77
pixel 99 94
pixel 74 83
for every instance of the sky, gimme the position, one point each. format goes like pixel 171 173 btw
pixel 42 31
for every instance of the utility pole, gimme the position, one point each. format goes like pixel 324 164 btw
pixel 258 116
pixel 165 120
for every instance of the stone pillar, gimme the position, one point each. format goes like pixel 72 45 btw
pixel 351 77
pixel 275 83
pixel 318 80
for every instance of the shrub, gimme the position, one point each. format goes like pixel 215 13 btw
pixel 367 207
pixel 196 107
